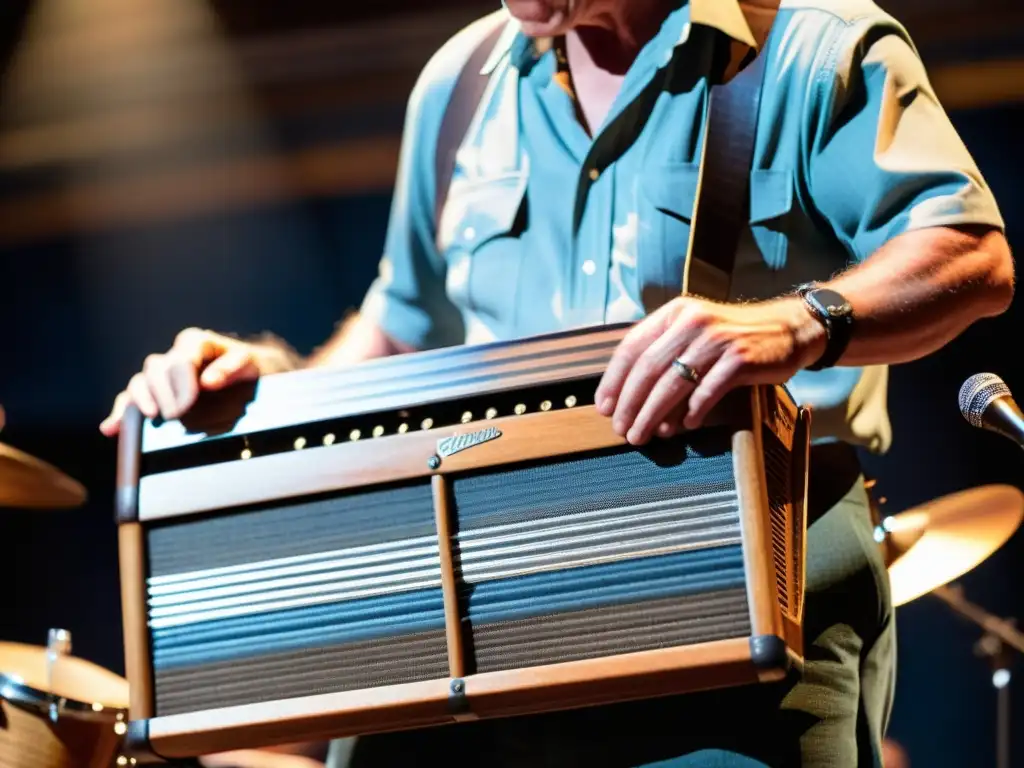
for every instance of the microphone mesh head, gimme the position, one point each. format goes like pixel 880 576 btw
pixel 977 393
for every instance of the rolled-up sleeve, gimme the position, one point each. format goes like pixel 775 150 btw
pixel 408 299
pixel 883 157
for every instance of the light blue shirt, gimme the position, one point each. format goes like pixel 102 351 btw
pixel 546 227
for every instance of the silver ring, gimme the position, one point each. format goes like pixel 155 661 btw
pixel 688 372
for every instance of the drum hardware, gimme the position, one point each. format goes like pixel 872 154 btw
pixel 59 711
pixel 1001 638
pixel 29 483
pixel 927 547
pixel 58 644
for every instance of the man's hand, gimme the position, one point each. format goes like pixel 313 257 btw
pixel 725 345
pixel 169 384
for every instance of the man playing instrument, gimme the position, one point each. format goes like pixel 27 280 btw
pixel 571 205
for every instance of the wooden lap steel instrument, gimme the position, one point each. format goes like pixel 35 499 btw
pixel 442 536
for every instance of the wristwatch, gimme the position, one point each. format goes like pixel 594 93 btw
pixel 834 312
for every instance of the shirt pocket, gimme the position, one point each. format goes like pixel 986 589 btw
pixel 771 202
pixel 666 211
pixel 483 244
pixel 665 206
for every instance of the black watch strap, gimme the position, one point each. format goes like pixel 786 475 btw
pixel 834 312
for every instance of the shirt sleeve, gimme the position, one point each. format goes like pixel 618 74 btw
pixel 408 298
pixel 883 156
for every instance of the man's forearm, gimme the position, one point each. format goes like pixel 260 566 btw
pixel 911 298
pixel 355 340
pixel 923 289
pixel 274 355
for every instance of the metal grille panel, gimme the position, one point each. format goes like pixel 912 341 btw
pixel 307 527
pixel 313 597
pixel 311 671
pixel 625 628
pixel 610 553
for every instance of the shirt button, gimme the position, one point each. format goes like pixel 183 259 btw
pixel 594 174
pixel 469 233
pixel 589 267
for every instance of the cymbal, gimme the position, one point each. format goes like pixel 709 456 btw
pixel 937 542
pixel 30 483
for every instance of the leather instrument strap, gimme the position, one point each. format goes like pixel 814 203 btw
pixel 722 207
pixel 462 106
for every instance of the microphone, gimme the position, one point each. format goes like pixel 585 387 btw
pixel 986 402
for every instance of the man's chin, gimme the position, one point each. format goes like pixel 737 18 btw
pixel 555 24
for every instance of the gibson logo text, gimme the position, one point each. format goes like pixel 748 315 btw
pixel 449 446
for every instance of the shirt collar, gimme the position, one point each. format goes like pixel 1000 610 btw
pixel 724 15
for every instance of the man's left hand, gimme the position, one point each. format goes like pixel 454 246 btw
pixel 718 347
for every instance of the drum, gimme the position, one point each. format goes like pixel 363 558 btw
pixel 57 711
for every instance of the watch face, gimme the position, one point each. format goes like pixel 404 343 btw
pixel 833 303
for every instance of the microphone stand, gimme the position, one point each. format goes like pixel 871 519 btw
pixel 1001 638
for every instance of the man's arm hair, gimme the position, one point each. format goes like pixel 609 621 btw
pixel 922 289
pixel 355 339
pixel 888 172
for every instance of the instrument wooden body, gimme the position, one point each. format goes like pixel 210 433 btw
pixel 445 536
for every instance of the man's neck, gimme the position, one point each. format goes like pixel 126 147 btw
pixel 615 31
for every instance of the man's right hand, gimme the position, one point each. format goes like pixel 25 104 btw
pixel 169 383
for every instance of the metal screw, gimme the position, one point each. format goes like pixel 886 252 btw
pixel 433 462
pixel 457 686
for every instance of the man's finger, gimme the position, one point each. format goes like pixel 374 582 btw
pixel 723 377
pixel 648 373
pixel 669 397
pixel 669 393
pixel 111 425
pixel 184 379
pixel 197 346
pixel 157 371
pixel 672 424
pixel 138 391
pixel 624 358
pixel 235 365
pixel 651 367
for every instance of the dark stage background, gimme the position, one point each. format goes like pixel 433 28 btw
pixel 79 311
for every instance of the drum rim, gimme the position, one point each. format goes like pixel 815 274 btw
pixel 17 692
